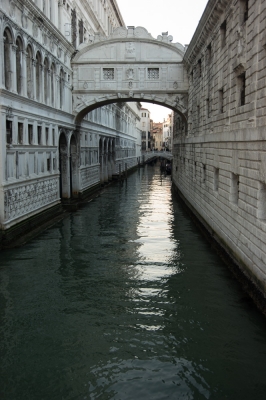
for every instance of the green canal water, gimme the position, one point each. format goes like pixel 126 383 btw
pixel 125 299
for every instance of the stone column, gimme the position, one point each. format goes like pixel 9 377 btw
pixel 49 88
pixel 14 69
pixel 57 91
pixel 33 79
pixel 2 72
pixel 42 84
pixel 23 73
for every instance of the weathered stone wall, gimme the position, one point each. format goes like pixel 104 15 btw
pixel 220 158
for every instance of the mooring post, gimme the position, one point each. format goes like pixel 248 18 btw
pixel 126 169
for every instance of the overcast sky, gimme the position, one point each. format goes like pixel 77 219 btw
pixel 179 17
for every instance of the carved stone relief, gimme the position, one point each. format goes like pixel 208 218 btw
pixel 130 50
pixel 24 199
pixel 24 19
pixel 35 29
pixel 130 73
pixel 12 6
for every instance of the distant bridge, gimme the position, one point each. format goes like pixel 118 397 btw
pixel 149 155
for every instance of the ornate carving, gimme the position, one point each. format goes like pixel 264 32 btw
pixel 51 44
pixel 24 199
pixel 35 29
pixel 175 85
pixel 89 176
pixel 130 84
pixel 12 6
pixel 130 73
pixel 24 19
pixel 59 52
pixel 130 50
pixel 181 102
pixel 120 32
pixel 241 42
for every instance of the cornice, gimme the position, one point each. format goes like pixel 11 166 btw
pixel 33 40
pixel 117 12
pixel 207 24
pixel 41 17
pixel 91 14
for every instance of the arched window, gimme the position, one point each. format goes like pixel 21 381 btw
pixel 7 58
pixel 52 77
pixel 61 88
pixel 19 49
pixel 38 76
pixel 29 72
pixel 46 80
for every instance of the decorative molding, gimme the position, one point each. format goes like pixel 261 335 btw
pixel 29 197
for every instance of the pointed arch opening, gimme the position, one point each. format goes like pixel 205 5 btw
pixel 7 58
pixel 19 51
pixel 38 75
pixel 29 63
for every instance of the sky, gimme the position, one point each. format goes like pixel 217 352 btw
pixel 179 17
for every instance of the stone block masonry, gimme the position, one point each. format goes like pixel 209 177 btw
pixel 220 156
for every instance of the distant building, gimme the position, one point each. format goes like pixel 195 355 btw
pixel 145 129
pixel 168 131
pixel 157 135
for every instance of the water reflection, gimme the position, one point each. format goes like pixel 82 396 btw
pixel 125 300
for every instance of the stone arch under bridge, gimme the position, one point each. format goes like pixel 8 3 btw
pixel 129 65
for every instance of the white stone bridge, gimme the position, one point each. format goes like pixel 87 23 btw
pixel 129 65
pixel 149 155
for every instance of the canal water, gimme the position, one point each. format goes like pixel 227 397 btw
pixel 125 299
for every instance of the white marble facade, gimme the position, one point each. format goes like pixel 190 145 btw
pixel 44 155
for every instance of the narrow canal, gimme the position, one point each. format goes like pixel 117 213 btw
pixel 125 300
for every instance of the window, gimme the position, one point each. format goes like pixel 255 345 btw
pixel 143 114
pixel 8 132
pixel 46 76
pixel 39 130
pixel 235 188
pixel 242 88
pixel 209 54
pixel 221 101
pixel 30 134
pixel 203 174
pixel 7 58
pixel 47 136
pixel 199 68
pixel 208 108
pixel 38 76
pixel 19 49
pixel 29 73
pixel 153 73
pixel 223 34
pixel 62 83
pixel 216 179
pixel 108 74
pixel 20 133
